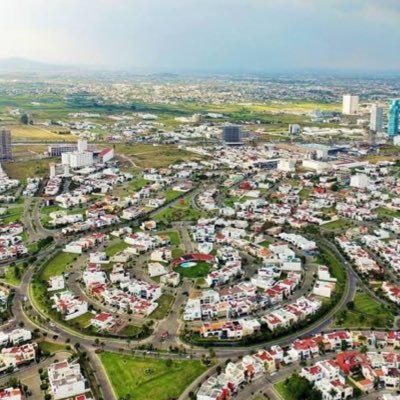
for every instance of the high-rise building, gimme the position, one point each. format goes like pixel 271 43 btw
pixel 231 134
pixel 5 144
pixel 350 104
pixel 376 120
pixel 393 122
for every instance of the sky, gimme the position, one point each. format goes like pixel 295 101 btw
pixel 205 35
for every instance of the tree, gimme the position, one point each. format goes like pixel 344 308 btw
pixel 25 119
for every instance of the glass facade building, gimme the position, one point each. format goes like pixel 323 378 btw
pixel 393 122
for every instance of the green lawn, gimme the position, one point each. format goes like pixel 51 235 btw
pixel 130 330
pixel 367 313
pixel 177 253
pixel 172 194
pixel 10 277
pixel 83 320
pixel 281 388
pixel 200 270
pixel 164 304
pixel 153 379
pixel 116 248
pixel 172 214
pixel 265 243
pixel 304 193
pixel 13 214
pixel 173 235
pixel 51 347
pixel 336 225
pixel 387 212
pixel 57 265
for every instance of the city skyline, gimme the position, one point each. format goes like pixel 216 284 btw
pixel 250 35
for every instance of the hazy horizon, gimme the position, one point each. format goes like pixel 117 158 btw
pixel 254 36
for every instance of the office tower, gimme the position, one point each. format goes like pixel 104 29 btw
pixel 393 122
pixel 231 134
pixel 376 121
pixel 82 145
pixel 5 144
pixel 350 104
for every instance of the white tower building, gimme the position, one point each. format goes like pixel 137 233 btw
pixel 350 104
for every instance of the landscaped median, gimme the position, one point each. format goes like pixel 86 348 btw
pixel 147 378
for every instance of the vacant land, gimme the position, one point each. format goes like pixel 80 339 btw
pixel 164 304
pixel 52 347
pixel 148 156
pixel 116 248
pixel 144 379
pixel 27 169
pixel 387 212
pixel 173 235
pixel 11 276
pixel 57 265
pixel 337 225
pixel 366 312
pixel 42 133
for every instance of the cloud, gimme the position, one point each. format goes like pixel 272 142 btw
pixel 204 34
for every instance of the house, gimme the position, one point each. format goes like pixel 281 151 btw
pixel 66 380
pixel 11 394
pixel 103 321
pixel 56 283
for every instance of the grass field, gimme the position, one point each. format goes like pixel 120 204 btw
pixel 281 388
pixel 200 270
pixel 164 304
pixel 10 277
pixel 51 347
pixel 116 248
pixel 27 169
pixel 145 379
pixel 57 265
pixel 367 313
pixel 172 214
pixel 387 212
pixel 44 133
pixel 83 320
pixel 130 330
pixel 337 225
pixel 173 235
pixel 13 214
pixel 148 156
pixel 172 194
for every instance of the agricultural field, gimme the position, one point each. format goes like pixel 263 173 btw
pixel 155 379
pixel 40 133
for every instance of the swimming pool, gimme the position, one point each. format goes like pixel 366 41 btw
pixel 188 264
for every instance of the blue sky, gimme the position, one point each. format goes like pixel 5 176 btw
pixel 205 35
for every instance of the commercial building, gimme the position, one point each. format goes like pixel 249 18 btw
pixel 393 122
pixel 5 144
pixel 55 150
pixel 231 134
pixel 350 104
pixel 376 121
